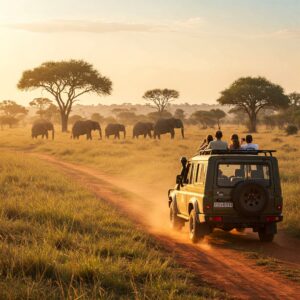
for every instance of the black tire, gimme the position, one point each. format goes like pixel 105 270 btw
pixel 195 228
pixel 250 198
pixel 175 222
pixel 265 237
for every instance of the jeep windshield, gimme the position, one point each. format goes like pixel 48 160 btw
pixel 230 174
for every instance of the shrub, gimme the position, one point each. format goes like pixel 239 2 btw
pixel 291 129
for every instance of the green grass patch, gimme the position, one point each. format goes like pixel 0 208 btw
pixel 154 163
pixel 274 265
pixel 59 241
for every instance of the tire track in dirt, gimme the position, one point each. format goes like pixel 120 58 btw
pixel 225 269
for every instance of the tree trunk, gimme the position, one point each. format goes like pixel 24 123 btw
pixel 252 123
pixel 64 122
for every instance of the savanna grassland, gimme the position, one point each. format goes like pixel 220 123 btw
pixel 59 241
pixel 154 163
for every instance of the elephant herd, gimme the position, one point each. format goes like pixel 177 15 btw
pixel 162 126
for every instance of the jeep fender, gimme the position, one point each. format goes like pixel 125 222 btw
pixel 193 204
pixel 172 197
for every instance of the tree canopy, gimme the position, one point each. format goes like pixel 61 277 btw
pixel 217 114
pixel 251 95
pixel 66 81
pixel 202 117
pixel 294 99
pixel 179 114
pixel 12 109
pixel 161 98
pixel 41 104
pixel 12 113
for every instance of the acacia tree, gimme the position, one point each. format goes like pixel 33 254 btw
pixel 294 99
pixel 251 95
pixel 12 109
pixel 161 98
pixel 179 114
pixel 41 104
pixel 66 81
pixel 203 117
pixel 12 112
pixel 52 112
pixel 218 115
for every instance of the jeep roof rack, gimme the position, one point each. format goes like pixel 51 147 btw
pixel 244 152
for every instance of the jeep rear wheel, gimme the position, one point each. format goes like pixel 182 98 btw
pixel 265 237
pixel 175 221
pixel 196 231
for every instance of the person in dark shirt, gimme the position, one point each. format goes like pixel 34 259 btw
pixel 235 143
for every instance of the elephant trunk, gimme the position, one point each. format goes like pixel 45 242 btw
pixel 124 133
pixel 53 133
pixel 182 132
pixel 100 133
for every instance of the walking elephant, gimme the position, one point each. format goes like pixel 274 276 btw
pixel 142 128
pixel 85 128
pixel 114 129
pixel 42 127
pixel 163 126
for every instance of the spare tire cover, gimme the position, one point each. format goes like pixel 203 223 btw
pixel 250 198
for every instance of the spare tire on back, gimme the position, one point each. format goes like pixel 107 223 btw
pixel 250 198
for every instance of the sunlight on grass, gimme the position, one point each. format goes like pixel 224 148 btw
pixel 154 163
pixel 58 241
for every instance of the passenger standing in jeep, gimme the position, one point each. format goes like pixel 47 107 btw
pixel 218 144
pixel 249 145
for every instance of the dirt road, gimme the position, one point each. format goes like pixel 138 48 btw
pixel 214 260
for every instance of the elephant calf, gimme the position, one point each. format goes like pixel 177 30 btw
pixel 114 129
pixel 163 126
pixel 142 128
pixel 85 128
pixel 42 127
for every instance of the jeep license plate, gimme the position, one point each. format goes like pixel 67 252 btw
pixel 223 204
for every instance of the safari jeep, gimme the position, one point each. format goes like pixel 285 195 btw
pixel 227 189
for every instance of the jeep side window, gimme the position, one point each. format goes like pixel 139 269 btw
pixel 191 173
pixel 199 170
pixel 201 173
pixel 196 172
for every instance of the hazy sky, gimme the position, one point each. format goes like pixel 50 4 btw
pixel 197 47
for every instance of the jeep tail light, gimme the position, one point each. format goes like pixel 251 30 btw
pixel 272 218
pixel 216 219
pixel 209 193
pixel 279 207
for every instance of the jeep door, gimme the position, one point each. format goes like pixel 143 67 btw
pixel 183 195
pixel 195 190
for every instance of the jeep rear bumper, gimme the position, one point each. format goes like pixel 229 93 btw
pixel 238 221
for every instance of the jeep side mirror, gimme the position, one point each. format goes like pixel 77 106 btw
pixel 179 179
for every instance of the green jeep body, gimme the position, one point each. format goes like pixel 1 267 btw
pixel 228 189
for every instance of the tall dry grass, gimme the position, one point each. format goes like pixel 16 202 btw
pixel 57 241
pixel 154 163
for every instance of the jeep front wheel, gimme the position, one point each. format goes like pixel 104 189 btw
pixel 175 221
pixel 196 232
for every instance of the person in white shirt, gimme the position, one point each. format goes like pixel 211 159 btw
pixel 249 145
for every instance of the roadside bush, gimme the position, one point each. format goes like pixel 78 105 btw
pixel 291 129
